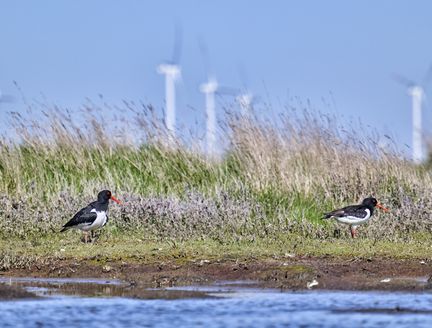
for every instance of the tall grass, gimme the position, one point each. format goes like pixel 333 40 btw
pixel 273 178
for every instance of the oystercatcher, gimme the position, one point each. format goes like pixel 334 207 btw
pixel 355 215
pixel 93 216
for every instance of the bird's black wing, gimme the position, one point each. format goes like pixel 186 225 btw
pixel 83 217
pixel 353 210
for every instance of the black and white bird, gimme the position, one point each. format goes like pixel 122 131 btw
pixel 93 216
pixel 355 215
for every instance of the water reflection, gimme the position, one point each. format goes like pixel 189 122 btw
pixel 48 287
pixel 221 305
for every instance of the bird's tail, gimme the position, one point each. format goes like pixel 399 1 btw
pixel 327 216
pixel 64 229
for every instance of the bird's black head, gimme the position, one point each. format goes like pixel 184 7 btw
pixel 105 195
pixel 371 203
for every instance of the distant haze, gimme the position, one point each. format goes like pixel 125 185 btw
pixel 339 55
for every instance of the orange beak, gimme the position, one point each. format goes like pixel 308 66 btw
pixel 116 200
pixel 382 207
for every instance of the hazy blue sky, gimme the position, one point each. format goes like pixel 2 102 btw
pixel 69 50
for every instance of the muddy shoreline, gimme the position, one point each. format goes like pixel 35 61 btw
pixel 286 274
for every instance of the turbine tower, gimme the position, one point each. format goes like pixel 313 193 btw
pixel 417 94
pixel 172 72
pixel 416 91
pixel 209 89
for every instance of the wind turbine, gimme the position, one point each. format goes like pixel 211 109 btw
pixel 209 89
pixel 416 91
pixel 417 94
pixel 172 72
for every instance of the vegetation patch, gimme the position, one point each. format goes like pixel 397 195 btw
pixel 263 197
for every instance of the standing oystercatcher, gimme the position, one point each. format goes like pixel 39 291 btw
pixel 355 215
pixel 93 216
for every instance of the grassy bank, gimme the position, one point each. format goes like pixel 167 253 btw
pixel 132 248
pixel 264 195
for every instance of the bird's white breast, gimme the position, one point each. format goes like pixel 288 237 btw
pixel 355 220
pixel 99 222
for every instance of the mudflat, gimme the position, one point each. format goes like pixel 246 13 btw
pixel 291 273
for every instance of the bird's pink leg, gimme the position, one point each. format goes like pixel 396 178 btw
pixel 85 237
pixel 353 232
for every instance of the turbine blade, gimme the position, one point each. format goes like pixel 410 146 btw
pixel 428 77
pixel 7 99
pixel 204 56
pixel 243 75
pixel 223 90
pixel 178 42
pixel 403 80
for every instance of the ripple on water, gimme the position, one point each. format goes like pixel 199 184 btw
pixel 258 309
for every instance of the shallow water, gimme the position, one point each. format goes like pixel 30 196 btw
pixel 219 305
